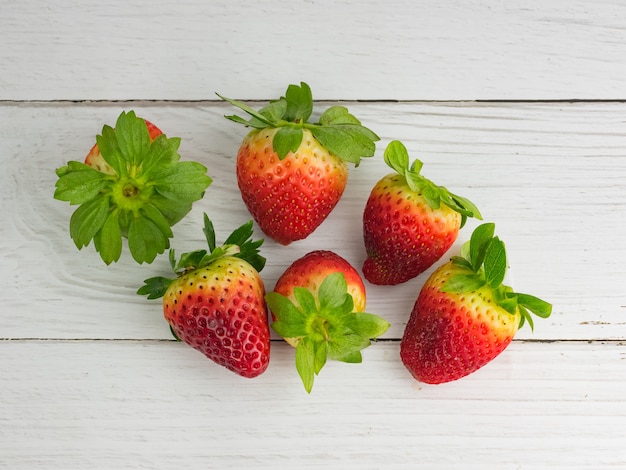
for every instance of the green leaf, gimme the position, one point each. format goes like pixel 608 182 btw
pixel 151 213
pixel 260 118
pixel 333 291
pixel 133 138
pixel 461 262
pixel 252 122
pixel 320 356
pixel 80 183
pixel 345 141
pixel 344 347
pixel 539 307
pixel 367 325
pixel 248 249
pixel 190 260
pixel 209 233
pixel 299 103
pixel 338 115
pixel 108 240
pixel 305 299
pixel 87 220
pixel 460 283
pixel 290 321
pixel 305 362
pixel 111 152
pixel 145 240
pixel 526 317
pixel 162 153
pixel 397 157
pixel 155 287
pixel 481 236
pixel 431 193
pixel 275 111
pixel 495 263
pixel 287 139
pixel 464 206
pixel 354 357
pixel 183 182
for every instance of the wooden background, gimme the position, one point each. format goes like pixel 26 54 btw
pixel 519 107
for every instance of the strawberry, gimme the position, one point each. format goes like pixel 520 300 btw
pixel 216 304
pixel 317 305
pixel 464 316
pixel 131 186
pixel 292 173
pixel 409 223
pixel 95 159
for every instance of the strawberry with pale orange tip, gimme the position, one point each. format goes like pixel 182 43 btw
pixel 318 304
pixel 409 222
pixel 292 172
pixel 464 317
pixel 131 186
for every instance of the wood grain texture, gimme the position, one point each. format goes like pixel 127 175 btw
pixel 550 175
pixel 113 404
pixel 356 49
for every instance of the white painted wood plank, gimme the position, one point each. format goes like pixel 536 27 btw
pixel 112 404
pixel 356 49
pixel 550 175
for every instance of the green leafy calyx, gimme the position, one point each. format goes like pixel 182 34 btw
pixel 340 132
pixel 397 157
pixel 325 327
pixel 149 192
pixel 483 264
pixel 238 244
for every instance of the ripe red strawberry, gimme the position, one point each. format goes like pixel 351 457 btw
pixel 95 159
pixel 216 304
pixel 409 223
pixel 292 173
pixel 464 316
pixel 317 305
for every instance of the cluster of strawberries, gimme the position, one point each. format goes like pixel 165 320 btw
pixel 291 174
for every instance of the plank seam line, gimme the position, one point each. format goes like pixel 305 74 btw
pixel 373 101
pixel 382 340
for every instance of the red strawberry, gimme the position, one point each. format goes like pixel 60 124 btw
pixel 464 316
pixel 216 304
pixel 318 305
pixel 292 173
pixel 409 223
pixel 95 159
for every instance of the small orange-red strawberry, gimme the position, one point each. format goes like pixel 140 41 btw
pixel 310 271
pixel 464 316
pixel 292 173
pixel 216 304
pixel 95 159
pixel 317 305
pixel 409 223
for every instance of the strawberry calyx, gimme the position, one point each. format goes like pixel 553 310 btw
pixel 148 192
pixel 337 130
pixel 483 258
pixel 397 157
pixel 238 244
pixel 325 327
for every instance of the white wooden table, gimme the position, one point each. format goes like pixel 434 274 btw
pixel 519 106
